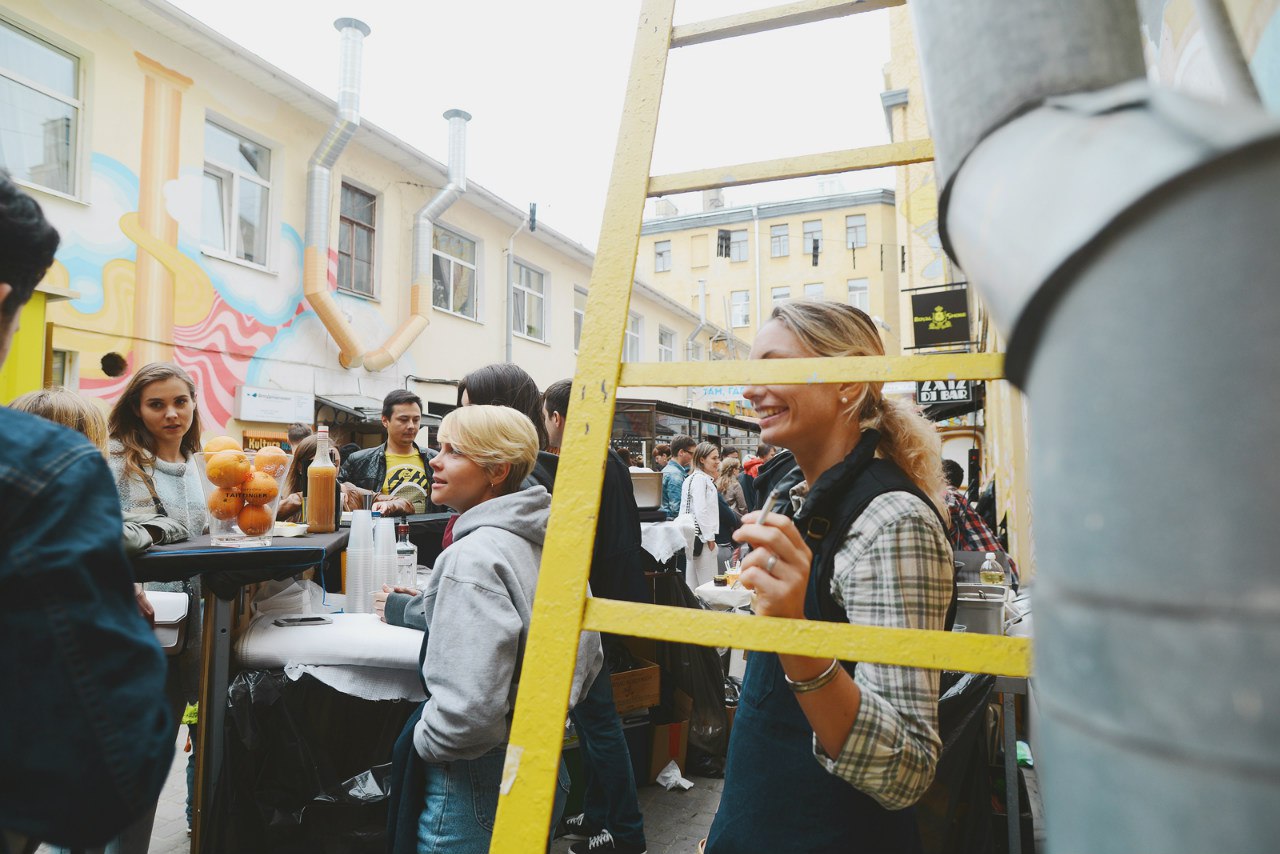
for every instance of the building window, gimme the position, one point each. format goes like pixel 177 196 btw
pixel 814 291
pixel 528 303
pixel 63 370
pixel 780 295
pixel 453 273
pixel 662 256
pixel 779 241
pixel 855 231
pixel 695 351
pixel 738 245
pixel 740 308
pixel 698 250
pixel 860 294
pixel 237 195
pixel 579 315
pixel 355 241
pixel 631 345
pixel 666 345
pixel 812 235
pixel 39 110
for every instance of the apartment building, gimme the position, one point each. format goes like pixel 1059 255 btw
pixel 736 263
pixel 210 215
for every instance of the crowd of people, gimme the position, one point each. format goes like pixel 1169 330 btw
pixel 858 532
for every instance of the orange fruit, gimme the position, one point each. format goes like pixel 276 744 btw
pixel 259 489
pixel 227 468
pixel 221 443
pixel 272 460
pixel 255 521
pixel 225 503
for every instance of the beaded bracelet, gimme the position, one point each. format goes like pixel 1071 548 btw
pixel 819 681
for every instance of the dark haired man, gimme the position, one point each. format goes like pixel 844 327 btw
pixel 610 820
pixel 968 532
pixel 396 472
pixel 87 738
pixel 674 473
pixel 297 432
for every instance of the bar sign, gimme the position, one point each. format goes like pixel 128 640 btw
pixel 944 391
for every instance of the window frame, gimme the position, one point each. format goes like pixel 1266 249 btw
pixel 526 294
pixel 666 352
pixel 78 156
pixel 375 291
pixel 70 368
pixel 661 257
pixel 780 241
pixel 822 290
pixel 736 305
pixel 807 235
pixel 855 229
pixel 739 246
pixel 230 205
pixel 473 265
pixel 866 291
pixel 579 316
pixel 633 338
pixel 773 294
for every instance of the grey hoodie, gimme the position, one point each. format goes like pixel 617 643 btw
pixel 477 605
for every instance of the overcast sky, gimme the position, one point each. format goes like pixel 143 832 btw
pixel 545 83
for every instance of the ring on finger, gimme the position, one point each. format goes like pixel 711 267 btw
pixel 770 563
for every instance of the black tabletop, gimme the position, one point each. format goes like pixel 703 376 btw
pixel 226 569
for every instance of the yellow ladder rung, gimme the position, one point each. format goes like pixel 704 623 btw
pixel 965 652
pixel 959 366
pixel 829 163
pixel 773 18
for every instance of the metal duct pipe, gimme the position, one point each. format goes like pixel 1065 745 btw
pixel 423 234
pixel 1123 239
pixel 986 61
pixel 315 258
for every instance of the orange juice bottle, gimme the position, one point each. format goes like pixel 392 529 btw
pixel 322 488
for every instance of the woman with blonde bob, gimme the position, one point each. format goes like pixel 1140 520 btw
pixel 822 750
pixel 476 609
pixel 67 408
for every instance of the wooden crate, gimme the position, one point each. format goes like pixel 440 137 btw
pixel 638 688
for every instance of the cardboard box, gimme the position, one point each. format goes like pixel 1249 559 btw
pixel 671 738
pixel 638 688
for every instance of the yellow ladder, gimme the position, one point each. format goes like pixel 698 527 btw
pixel 561 609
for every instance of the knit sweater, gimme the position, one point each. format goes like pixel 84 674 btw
pixel 177 485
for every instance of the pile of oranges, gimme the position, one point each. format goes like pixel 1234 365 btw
pixel 243 489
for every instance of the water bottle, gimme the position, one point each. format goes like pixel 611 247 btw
pixel 406 557
pixel 991 571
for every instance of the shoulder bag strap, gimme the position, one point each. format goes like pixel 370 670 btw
pixel 155 498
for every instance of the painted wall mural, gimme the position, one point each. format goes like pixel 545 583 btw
pixel 148 293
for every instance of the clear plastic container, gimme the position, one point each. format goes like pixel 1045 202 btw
pixel 242 492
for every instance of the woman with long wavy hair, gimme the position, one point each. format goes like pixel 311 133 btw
pixel 155 431
pixel 827 754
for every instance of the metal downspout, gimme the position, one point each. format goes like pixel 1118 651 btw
pixel 1123 237
pixel 315 257
pixel 511 270
pixel 702 324
pixel 755 218
pixel 423 234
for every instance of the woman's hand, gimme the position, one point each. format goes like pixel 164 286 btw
pixel 380 598
pixel 709 546
pixel 144 605
pixel 780 589
pixel 352 497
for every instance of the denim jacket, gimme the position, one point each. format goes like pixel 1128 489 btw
pixel 87 738
pixel 367 469
pixel 673 475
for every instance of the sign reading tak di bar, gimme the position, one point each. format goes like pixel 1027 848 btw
pixel 941 317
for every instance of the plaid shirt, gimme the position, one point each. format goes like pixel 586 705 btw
pixel 894 569
pixel 968 531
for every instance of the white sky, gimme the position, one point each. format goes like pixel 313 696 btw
pixel 545 83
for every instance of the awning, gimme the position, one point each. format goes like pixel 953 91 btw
pixel 350 407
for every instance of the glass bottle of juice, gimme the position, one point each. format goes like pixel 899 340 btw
pixel 322 488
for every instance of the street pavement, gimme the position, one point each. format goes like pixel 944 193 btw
pixel 673 821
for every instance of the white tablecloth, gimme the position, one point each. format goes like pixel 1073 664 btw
pixel 723 598
pixel 663 539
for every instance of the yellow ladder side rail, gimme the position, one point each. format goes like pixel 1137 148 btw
pixel 773 18
pixel 803 166
pixel 526 795
pixel 935 650
pixel 960 366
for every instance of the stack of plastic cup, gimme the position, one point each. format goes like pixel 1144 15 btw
pixel 384 553
pixel 360 576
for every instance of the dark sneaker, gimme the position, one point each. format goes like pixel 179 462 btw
pixel 575 827
pixel 604 842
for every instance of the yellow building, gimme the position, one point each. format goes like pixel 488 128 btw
pixel 175 166
pixel 746 259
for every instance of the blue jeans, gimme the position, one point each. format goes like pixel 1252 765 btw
pixel 462 802
pixel 610 799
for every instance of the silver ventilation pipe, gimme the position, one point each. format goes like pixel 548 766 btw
pixel 315 273
pixel 1123 237
pixel 423 242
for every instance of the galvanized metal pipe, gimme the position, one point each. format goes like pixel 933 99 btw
pixel 1224 47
